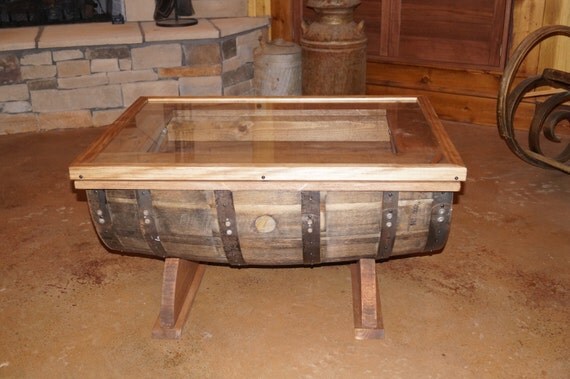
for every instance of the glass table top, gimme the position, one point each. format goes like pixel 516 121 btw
pixel 170 136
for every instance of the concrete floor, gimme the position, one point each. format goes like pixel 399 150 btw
pixel 493 304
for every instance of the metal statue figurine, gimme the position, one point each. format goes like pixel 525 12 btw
pixel 550 113
pixel 164 8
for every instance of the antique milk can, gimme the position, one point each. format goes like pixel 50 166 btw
pixel 277 69
pixel 334 50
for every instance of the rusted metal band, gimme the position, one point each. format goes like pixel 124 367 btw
pixel 440 221
pixel 147 221
pixel 101 217
pixel 311 226
pixel 228 227
pixel 389 224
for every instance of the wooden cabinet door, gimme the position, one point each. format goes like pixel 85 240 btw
pixel 451 32
pixel 448 33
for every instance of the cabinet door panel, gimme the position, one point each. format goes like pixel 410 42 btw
pixel 451 31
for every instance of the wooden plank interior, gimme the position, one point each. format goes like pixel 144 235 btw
pixel 329 127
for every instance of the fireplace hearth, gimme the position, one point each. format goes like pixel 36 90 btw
pixel 14 13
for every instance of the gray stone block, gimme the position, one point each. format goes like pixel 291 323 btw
pixel 38 72
pixel 105 117
pixel 18 123
pixel 64 120
pixel 132 91
pixel 201 86
pixel 118 52
pixel 83 81
pixel 105 65
pixel 16 107
pixel 132 76
pixel 67 69
pixel 202 54
pixel 101 97
pixel 9 69
pixel 168 55
pixel 125 64
pixel 67 55
pixel 14 92
pixel 229 48
pixel 239 75
pixel 39 84
pixel 43 58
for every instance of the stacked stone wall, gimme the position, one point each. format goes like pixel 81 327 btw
pixel 43 89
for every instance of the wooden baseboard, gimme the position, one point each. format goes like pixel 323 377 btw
pixel 457 95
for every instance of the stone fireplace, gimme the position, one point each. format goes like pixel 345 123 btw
pixel 80 75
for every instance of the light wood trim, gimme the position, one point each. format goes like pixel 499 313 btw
pixel 379 173
pixel 270 186
pixel 358 99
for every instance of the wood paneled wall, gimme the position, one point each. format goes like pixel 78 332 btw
pixel 529 15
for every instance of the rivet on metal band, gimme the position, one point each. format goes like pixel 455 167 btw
pixel 440 221
pixel 228 227
pixel 389 224
pixel 101 216
pixel 147 222
pixel 311 226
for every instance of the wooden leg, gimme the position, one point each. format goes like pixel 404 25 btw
pixel 180 283
pixel 366 301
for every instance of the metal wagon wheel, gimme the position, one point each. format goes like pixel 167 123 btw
pixel 548 114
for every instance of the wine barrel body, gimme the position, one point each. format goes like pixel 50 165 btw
pixel 271 228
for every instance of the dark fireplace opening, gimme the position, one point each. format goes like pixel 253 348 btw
pixel 14 13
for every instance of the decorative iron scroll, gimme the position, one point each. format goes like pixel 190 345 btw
pixel 549 115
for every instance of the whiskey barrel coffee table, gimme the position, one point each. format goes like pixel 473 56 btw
pixel 271 182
